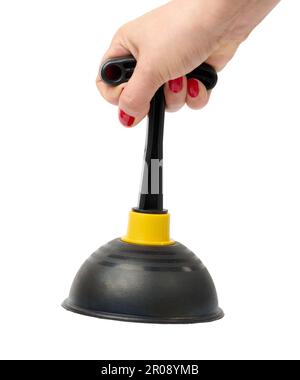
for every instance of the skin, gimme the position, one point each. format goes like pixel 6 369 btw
pixel 171 41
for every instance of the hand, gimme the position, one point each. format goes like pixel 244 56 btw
pixel 170 42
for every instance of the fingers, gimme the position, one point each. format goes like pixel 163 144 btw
pixel 134 97
pixel 134 108
pixel 134 101
pixel 175 94
pixel 109 93
pixel 197 96
pixel 183 90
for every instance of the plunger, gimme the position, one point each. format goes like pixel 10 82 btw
pixel 145 276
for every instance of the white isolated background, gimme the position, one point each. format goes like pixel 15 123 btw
pixel 69 174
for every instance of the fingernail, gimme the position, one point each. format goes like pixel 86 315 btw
pixel 193 88
pixel 176 85
pixel 125 119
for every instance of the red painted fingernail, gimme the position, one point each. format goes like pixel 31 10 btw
pixel 193 88
pixel 125 119
pixel 176 85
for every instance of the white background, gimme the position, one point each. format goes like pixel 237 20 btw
pixel 70 173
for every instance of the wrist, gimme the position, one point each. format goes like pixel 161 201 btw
pixel 224 19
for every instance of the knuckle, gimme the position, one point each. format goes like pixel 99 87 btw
pixel 122 34
pixel 150 69
pixel 131 101
pixel 119 32
pixel 111 98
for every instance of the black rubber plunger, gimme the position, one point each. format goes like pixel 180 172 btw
pixel 145 276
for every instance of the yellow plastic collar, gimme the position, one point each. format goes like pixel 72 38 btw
pixel 148 229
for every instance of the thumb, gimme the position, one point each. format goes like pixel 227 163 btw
pixel 134 102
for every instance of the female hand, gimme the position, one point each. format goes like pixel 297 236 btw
pixel 173 40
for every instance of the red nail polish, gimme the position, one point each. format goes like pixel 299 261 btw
pixel 193 88
pixel 176 85
pixel 125 119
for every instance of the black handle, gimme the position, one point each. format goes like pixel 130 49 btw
pixel 119 70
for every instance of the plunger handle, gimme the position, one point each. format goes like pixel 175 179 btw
pixel 119 70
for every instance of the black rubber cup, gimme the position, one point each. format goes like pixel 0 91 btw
pixel 145 284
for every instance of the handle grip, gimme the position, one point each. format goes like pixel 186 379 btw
pixel 119 70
